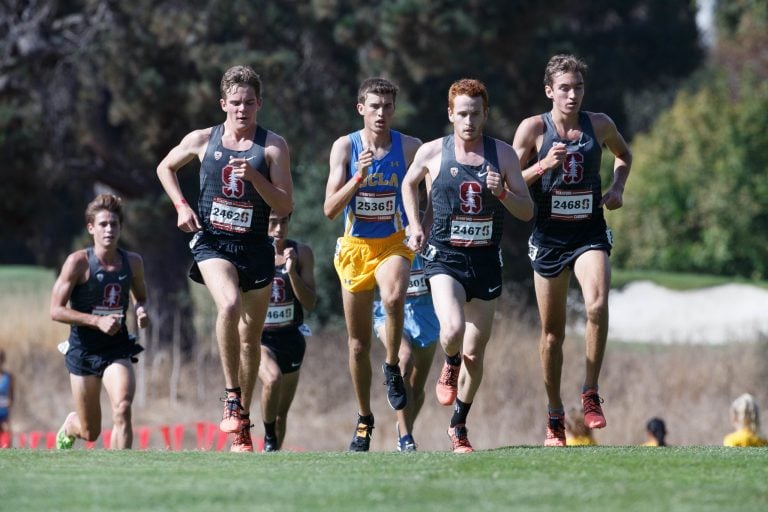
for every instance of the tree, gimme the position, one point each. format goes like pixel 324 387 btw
pixel 117 84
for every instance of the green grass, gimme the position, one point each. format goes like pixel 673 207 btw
pixel 518 478
pixel 15 279
pixel 677 280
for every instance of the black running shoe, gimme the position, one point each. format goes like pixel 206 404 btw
pixel 270 444
pixel 362 440
pixel 395 386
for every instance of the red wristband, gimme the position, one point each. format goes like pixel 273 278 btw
pixel 180 204
pixel 358 177
pixel 539 169
pixel 503 194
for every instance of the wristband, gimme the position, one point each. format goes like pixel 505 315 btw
pixel 503 194
pixel 180 204
pixel 358 177
pixel 539 169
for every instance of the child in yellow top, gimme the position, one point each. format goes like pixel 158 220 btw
pixel 578 434
pixel 745 417
pixel 656 432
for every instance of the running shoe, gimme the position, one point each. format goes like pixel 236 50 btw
pixel 593 412
pixel 361 442
pixel 447 384
pixel 406 443
pixel 230 420
pixel 270 444
pixel 459 440
pixel 241 441
pixel 63 441
pixel 555 430
pixel 395 387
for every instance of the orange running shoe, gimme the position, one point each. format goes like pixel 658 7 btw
pixel 242 442
pixel 447 384
pixel 593 412
pixel 459 440
pixel 555 430
pixel 230 420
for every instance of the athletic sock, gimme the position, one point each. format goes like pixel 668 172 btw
pixel 460 412
pixel 269 429
pixel 233 391
pixel 560 411
pixel 368 420
pixel 454 360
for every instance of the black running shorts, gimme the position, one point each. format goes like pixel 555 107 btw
pixel 550 262
pixel 83 362
pixel 288 346
pixel 477 269
pixel 254 261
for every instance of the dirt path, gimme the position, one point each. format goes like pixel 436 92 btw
pixel 643 311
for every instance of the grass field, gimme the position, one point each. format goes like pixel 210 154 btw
pixel 516 478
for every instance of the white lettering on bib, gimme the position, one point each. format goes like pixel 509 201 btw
pixel 375 206
pixel 106 311
pixel 233 216
pixel 470 231
pixel 279 315
pixel 417 284
pixel 571 204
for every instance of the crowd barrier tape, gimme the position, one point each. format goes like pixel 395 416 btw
pixel 208 437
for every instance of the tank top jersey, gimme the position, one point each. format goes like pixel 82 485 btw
pixel 568 211
pixel 285 311
pixel 466 213
pixel 104 293
pixel 230 207
pixel 376 209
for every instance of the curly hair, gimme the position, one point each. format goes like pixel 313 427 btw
pixel 468 87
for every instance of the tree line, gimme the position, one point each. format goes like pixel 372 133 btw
pixel 94 92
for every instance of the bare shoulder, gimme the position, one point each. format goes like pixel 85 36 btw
pixel 430 149
pixel 304 250
pixel 341 149
pixel 601 123
pixel 76 264
pixel 196 139
pixel 134 259
pixel 275 140
pixel 409 142
pixel 533 125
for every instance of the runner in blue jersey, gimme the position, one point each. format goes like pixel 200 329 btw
pixel 366 172
pixel 421 331
pixel 561 151
pixel 6 402
pixel 474 179
pixel 282 342
pixel 92 295
pixel 244 173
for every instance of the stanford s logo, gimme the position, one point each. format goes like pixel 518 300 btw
pixel 112 295
pixel 278 291
pixel 573 168
pixel 471 197
pixel 233 187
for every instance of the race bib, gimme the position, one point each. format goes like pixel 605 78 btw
pixel 375 206
pixel 279 315
pixel 417 284
pixel 571 204
pixel 232 216
pixel 470 231
pixel 106 311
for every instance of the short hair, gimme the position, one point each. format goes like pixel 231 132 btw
pixel 658 430
pixel 240 75
pixel 563 63
pixel 745 412
pixel 376 85
pixel 104 202
pixel 468 87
